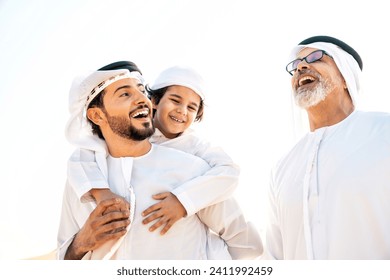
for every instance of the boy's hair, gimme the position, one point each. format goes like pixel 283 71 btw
pixel 156 95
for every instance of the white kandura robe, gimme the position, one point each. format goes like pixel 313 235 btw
pixel 209 195
pixel 222 178
pixel 330 195
pixel 216 185
pixel 160 170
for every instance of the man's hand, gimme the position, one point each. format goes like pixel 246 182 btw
pixel 99 228
pixel 104 194
pixel 167 212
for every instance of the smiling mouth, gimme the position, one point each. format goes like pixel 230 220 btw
pixel 176 120
pixel 144 113
pixel 305 80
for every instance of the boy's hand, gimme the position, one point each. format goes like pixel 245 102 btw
pixel 167 212
pixel 101 195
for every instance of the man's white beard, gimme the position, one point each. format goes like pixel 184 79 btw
pixel 306 98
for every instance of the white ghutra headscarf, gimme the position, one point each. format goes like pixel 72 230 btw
pixel 345 62
pixel 84 89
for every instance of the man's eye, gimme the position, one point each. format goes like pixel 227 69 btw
pixel 142 89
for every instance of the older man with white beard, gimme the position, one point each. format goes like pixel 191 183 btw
pixel 329 194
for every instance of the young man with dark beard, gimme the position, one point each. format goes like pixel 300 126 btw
pixel 121 114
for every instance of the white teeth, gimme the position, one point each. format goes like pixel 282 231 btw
pixel 142 113
pixel 301 81
pixel 180 121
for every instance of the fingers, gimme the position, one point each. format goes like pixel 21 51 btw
pixel 152 217
pixel 157 206
pixel 111 205
pixel 151 209
pixel 159 223
pixel 122 206
pixel 98 222
pixel 115 216
pixel 111 226
pixel 111 209
pixel 167 226
pixel 111 231
pixel 156 225
pixel 165 213
pixel 158 215
pixel 100 228
pixel 164 221
pixel 160 196
pixel 102 206
pixel 115 226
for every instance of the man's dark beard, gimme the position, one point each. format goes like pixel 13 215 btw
pixel 122 127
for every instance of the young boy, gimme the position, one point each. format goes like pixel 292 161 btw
pixel 178 100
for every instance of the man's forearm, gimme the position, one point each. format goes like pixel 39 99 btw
pixel 74 251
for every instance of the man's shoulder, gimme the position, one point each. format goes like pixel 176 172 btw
pixel 373 114
pixel 373 119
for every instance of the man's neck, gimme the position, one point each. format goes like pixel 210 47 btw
pixel 336 107
pixel 324 114
pixel 120 147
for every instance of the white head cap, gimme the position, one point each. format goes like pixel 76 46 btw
pixel 83 90
pixel 180 76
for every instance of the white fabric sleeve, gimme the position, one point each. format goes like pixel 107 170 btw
pixel 61 250
pixel 73 217
pixel 84 174
pixel 273 246
pixel 216 185
pixel 68 225
pixel 228 222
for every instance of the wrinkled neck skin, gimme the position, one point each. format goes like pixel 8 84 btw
pixel 334 109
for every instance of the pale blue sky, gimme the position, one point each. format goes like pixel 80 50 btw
pixel 240 47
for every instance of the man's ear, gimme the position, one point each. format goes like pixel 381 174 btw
pixel 96 115
pixel 345 85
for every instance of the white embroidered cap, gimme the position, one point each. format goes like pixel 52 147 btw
pixel 180 76
pixel 83 90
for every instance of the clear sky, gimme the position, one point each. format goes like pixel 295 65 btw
pixel 240 47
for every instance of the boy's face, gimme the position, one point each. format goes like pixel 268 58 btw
pixel 176 111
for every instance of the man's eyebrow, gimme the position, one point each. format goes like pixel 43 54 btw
pixel 119 88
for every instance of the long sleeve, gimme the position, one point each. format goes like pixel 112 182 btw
pixel 73 216
pixel 273 246
pixel 84 173
pixel 228 222
pixel 216 185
